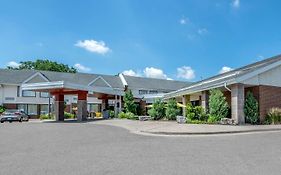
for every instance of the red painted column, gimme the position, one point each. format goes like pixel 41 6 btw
pixel 82 106
pixel 59 107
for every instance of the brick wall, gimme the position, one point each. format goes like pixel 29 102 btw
pixel 269 97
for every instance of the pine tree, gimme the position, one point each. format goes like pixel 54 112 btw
pixel 251 109
pixel 129 103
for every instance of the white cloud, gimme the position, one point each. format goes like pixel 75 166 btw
pixel 235 3
pixel 225 69
pixel 13 64
pixel 185 72
pixel 152 72
pixel 93 46
pixel 202 31
pixel 183 21
pixel 131 73
pixel 81 68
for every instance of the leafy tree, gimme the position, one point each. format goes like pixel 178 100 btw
pixel 129 102
pixel 45 65
pixel 157 111
pixel 251 109
pixel 172 109
pixel 218 106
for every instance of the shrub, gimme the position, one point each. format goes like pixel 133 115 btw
pixel 47 117
pixel 195 113
pixel 157 111
pixel 172 109
pixel 111 114
pixel 127 115
pixel 68 115
pixel 218 106
pixel 2 109
pixel 274 116
pixel 251 109
pixel 129 102
pixel 212 119
pixel 122 115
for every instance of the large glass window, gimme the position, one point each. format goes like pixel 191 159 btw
pixel 44 109
pixel 44 94
pixel 32 110
pixel 94 107
pixel 22 107
pixel 28 93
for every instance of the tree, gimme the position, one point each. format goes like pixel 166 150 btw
pixel 157 111
pixel 172 109
pixel 251 109
pixel 129 102
pixel 2 109
pixel 218 105
pixel 44 65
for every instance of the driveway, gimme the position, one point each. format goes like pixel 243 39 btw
pixel 84 148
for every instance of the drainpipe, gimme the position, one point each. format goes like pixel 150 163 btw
pixel 225 86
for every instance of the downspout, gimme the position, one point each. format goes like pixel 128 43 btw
pixel 225 86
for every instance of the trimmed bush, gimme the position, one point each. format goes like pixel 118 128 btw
pixel 172 109
pixel 218 106
pixel 129 102
pixel 127 115
pixel 251 109
pixel 157 111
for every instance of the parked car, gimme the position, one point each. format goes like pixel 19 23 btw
pixel 11 115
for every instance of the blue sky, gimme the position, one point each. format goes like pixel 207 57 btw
pixel 178 39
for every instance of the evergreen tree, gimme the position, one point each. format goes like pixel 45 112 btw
pixel 218 105
pixel 251 109
pixel 129 102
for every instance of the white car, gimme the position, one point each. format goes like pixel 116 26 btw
pixel 13 115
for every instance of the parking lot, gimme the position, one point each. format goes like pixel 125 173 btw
pixel 86 148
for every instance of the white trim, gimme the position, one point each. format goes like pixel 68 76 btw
pixel 34 75
pixel 258 71
pixel 235 79
pixel 99 77
pixel 123 80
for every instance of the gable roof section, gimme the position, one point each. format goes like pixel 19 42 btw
pixel 231 77
pixel 100 82
pixel 35 78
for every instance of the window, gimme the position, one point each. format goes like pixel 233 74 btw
pixel 44 94
pixel 32 110
pixel 143 91
pixel 22 107
pixel 153 92
pixel 28 93
pixel 44 109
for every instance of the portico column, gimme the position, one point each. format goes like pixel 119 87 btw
pixel 120 103
pixel 185 101
pixel 59 107
pixel 205 100
pixel 115 106
pixel 82 106
pixel 237 103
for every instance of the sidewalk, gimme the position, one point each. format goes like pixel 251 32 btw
pixel 173 128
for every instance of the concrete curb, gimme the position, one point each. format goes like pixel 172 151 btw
pixel 211 133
